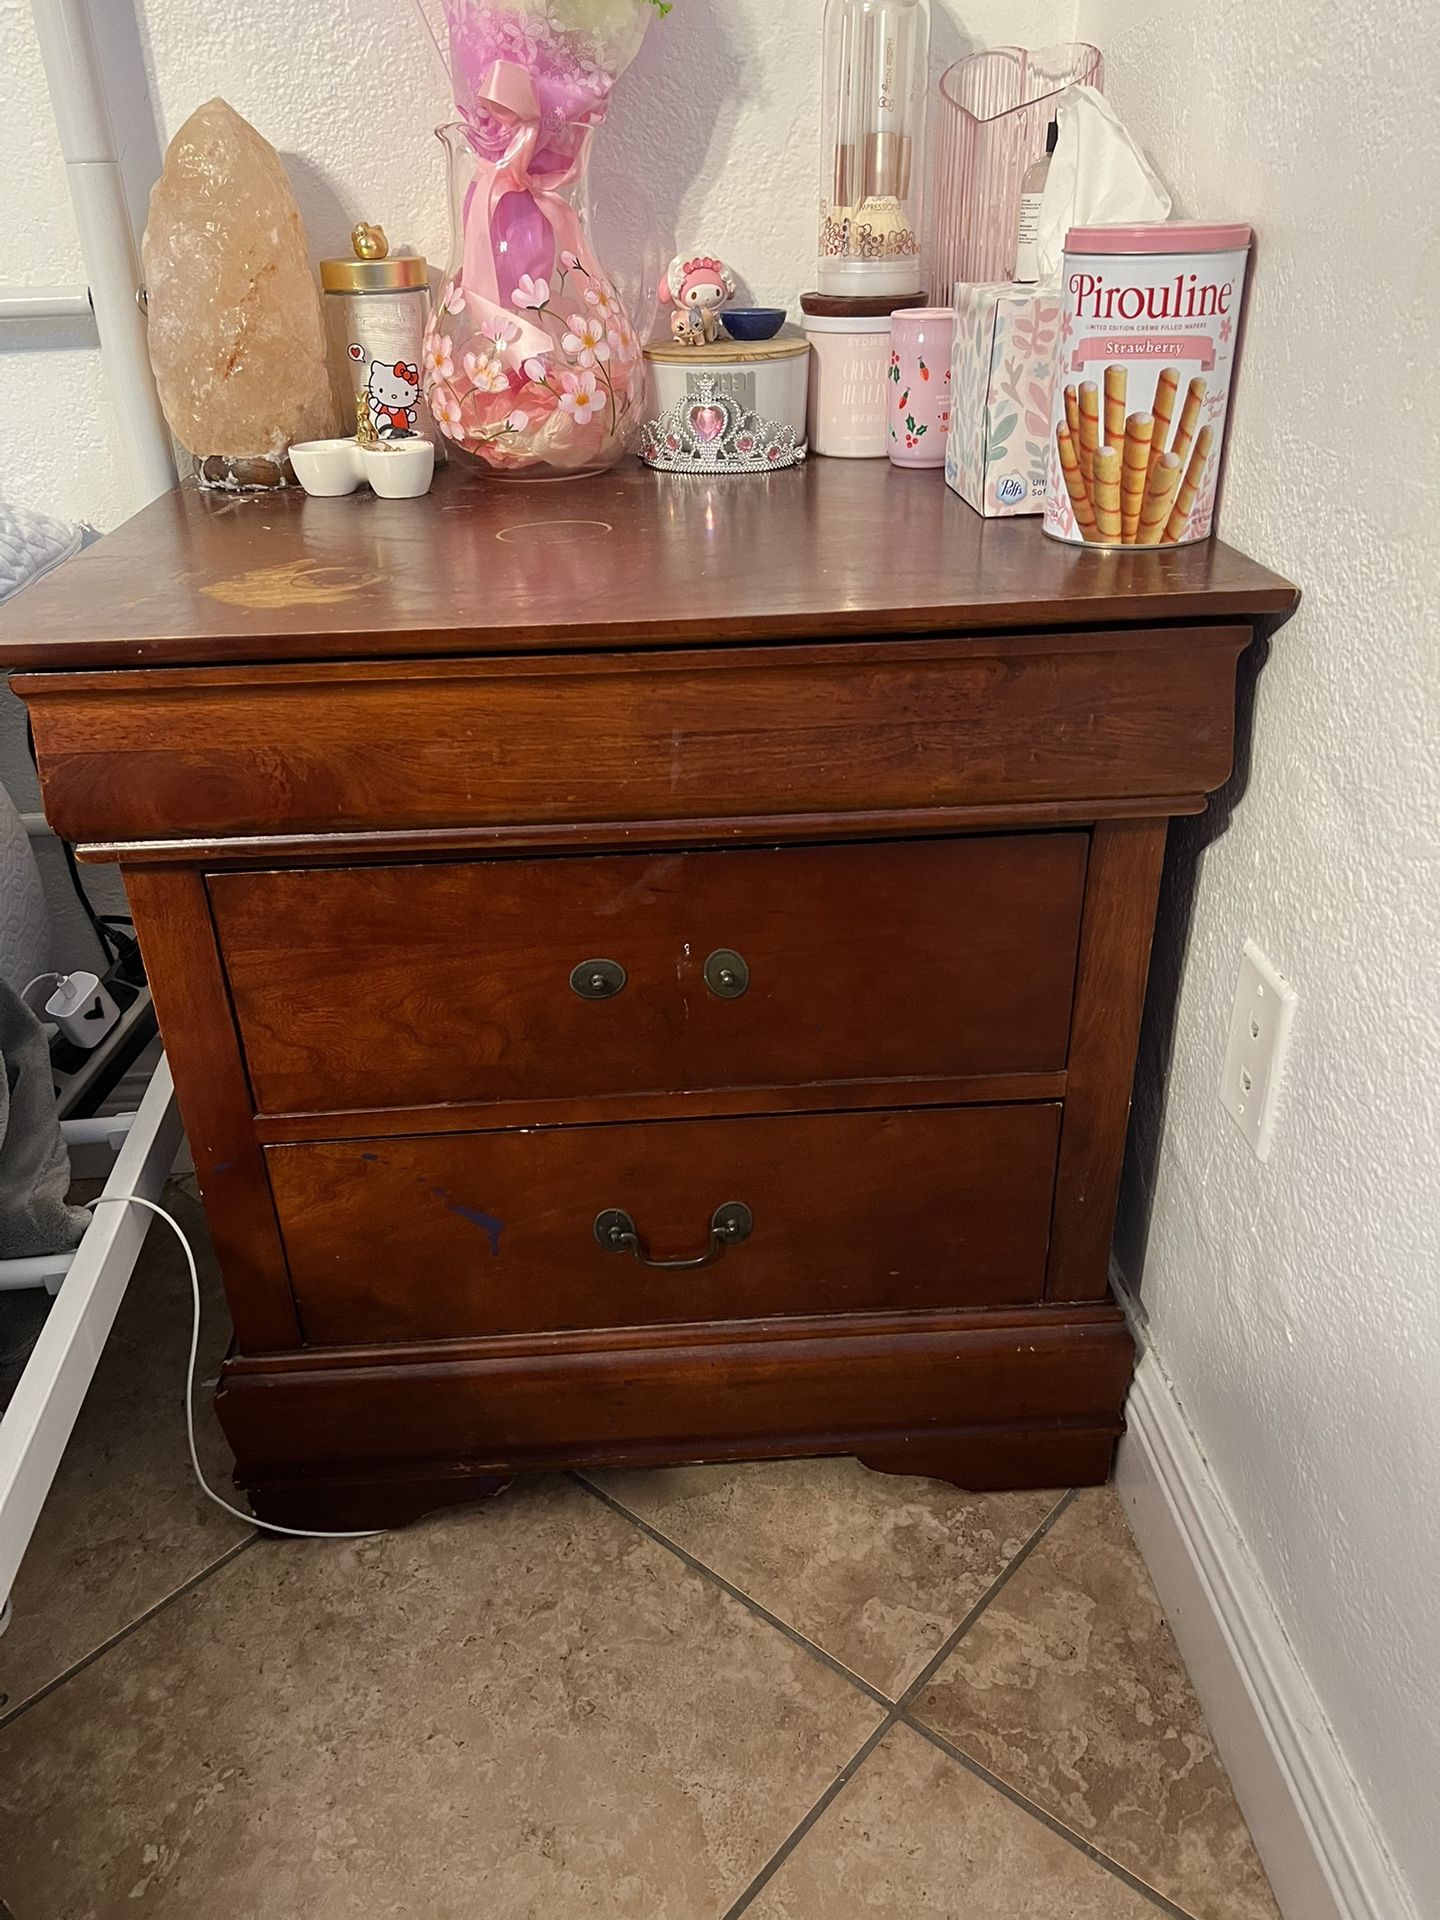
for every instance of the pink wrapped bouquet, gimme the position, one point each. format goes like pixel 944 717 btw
pixel 531 363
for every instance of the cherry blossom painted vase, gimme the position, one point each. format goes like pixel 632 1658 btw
pixel 531 363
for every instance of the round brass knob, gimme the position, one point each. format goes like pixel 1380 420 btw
pixel 726 974
pixel 598 979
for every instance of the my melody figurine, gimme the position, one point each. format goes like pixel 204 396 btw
pixel 697 287
pixel 697 421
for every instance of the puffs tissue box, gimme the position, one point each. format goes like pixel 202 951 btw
pixel 1001 375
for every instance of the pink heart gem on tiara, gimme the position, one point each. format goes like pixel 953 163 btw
pixel 708 422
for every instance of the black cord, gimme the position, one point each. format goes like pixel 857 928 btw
pixel 109 942
pixel 109 945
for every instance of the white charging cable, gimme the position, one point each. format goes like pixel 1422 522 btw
pixel 294 1533
pixel 57 980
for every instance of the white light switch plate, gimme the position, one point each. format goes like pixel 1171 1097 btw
pixel 1260 1023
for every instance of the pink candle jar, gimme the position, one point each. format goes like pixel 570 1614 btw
pixel 918 387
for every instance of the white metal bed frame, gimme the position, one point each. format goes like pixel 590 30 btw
pixel 41 1416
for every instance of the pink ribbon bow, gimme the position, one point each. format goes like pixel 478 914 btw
pixel 505 132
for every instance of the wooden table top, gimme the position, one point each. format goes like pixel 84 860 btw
pixel 832 549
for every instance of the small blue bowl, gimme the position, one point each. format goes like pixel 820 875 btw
pixel 753 323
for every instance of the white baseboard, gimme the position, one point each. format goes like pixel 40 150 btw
pixel 1313 1830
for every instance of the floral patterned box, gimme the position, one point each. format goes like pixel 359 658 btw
pixel 1002 374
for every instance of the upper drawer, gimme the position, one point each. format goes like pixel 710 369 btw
pixel 366 987
pixel 688 736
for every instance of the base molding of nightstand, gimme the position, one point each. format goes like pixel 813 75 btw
pixel 362 1437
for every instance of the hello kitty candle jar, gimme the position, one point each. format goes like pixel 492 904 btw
pixel 376 305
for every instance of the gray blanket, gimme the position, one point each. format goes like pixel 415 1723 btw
pixel 34 1166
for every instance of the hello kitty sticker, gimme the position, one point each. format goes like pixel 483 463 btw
pixel 392 394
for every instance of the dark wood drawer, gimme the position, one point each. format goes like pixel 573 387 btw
pixel 411 986
pixel 700 734
pixel 460 1234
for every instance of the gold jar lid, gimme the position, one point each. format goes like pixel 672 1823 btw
pixel 370 268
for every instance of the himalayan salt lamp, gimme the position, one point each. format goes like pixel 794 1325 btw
pixel 237 337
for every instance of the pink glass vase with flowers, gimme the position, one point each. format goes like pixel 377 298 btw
pixel 531 363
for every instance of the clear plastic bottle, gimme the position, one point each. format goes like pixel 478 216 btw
pixel 873 146
pixel 1032 192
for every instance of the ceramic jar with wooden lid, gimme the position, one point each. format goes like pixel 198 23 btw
pixel 766 380
pixel 768 377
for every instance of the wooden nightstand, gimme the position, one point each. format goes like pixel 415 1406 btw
pixel 651 967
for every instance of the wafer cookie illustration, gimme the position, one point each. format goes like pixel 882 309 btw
pixel 1134 471
pixel 1075 482
pixel 1089 428
pixel 1189 419
pixel 1107 492
pixel 1115 384
pixel 1179 521
pixel 1159 492
pixel 1164 411
pixel 1133 491
pixel 1072 416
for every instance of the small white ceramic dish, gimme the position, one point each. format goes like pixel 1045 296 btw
pixel 396 469
pixel 399 469
pixel 326 467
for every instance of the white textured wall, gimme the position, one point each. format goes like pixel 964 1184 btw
pixel 1297 1304
pixel 58 448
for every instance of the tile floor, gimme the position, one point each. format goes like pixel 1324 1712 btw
pixel 797 1691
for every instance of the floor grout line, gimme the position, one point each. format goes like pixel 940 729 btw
pixel 123 1633
pixel 798 1832
pixel 903 1716
pixel 952 1640
pixel 746 1600
pixel 895 1713
pixel 897 1716
pixel 1046 1819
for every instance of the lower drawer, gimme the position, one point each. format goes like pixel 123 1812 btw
pixel 457 1234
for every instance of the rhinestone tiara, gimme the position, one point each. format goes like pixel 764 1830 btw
pixel 709 433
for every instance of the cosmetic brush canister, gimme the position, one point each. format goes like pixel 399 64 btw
pixel 876 63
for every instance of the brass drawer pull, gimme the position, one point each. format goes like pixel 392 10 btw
pixel 598 979
pixel 727 974
pixel 729 1225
